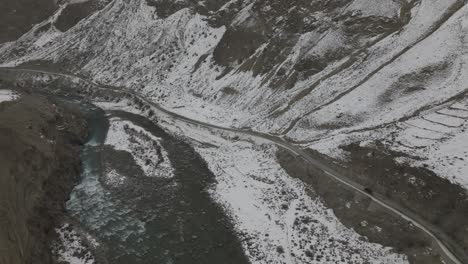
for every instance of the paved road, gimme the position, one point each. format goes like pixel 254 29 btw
pixel 452 253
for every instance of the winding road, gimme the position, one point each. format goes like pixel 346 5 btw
pixel 450 251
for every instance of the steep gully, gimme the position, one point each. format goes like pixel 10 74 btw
pixel 449 249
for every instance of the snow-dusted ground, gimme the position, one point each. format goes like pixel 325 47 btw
pixel 113 178
pixel 383 8
pixel 122 105
pixel 278 221
pixel 171 61
pixel 387 107
pixel 7 95
pixel 440 139
pixel 70 247
pixel 145 148
pixel 407 89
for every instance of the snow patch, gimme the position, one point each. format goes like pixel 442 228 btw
pixel 145 148
pixel 8 95
pixel 70 247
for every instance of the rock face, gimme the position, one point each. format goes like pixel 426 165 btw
pixel 39 163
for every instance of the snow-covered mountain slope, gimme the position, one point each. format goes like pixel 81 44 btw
pixel 387 75
pixel 306 69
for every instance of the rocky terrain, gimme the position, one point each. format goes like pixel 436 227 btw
pixel 376 89
pixel 39 164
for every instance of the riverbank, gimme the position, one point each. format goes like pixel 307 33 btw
pixel 40 139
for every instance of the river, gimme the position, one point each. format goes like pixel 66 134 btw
pixel 151 219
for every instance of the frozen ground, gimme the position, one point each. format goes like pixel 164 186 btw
pixel 440 139
pixel 390 71
pixel 278 220
pixel 142 145
pixel 400 80
pixel 71 247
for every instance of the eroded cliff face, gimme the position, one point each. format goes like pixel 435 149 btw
pixel 39 164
